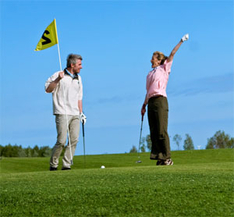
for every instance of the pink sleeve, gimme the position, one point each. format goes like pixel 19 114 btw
pixel 167 66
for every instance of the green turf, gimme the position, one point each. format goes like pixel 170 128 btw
pixel 199 184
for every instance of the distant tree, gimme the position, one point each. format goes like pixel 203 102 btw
pixel 35 151
pixel 1 148
pixel 21 152
pixel 28 151
pixel 6 150
pixel 188 143
pixel 230 143
pixel 134 149
pixel 15 151
pixel 142 148
pixel 149 142
pixel 18 151
pixel 45 151
pixel 211 143
pixel 220 140
pixel 142 144
pixel 10 151
pixel 177 139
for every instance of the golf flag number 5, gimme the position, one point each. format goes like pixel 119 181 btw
pixel 49 37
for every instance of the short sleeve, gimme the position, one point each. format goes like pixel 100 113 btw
pixel 167 66
pixel 51 79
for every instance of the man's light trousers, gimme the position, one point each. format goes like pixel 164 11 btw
pixel 73 123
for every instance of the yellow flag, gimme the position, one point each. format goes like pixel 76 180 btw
pixel 49 37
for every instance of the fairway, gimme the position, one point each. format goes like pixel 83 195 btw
pixel 199 184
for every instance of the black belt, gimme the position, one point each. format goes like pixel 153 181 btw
pixel 156 96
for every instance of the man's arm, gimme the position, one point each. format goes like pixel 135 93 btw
pixel 54 83
pixel 175 49
pixel 80 106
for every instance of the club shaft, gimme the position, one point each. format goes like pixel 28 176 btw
pixel 140 137
pixel 84 144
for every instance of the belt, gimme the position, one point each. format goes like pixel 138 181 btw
pixel 156 96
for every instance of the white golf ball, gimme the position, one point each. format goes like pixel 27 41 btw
pixel 102 167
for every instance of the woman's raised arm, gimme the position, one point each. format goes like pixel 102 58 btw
pixel 175 49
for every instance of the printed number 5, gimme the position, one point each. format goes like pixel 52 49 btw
pixel 47 40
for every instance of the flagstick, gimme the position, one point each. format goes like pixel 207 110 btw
pixel 59 58
pixel 69 142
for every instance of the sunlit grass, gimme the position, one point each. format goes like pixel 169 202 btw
pixel 197 185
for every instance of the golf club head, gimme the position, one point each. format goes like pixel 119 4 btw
pixel 139 161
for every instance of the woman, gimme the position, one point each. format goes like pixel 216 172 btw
pixel 156 98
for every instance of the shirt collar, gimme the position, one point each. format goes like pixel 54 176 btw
pixel 154 69
pixel 74 76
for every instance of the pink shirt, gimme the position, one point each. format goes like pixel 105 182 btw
pixel 157 79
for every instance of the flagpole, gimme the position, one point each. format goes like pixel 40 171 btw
pixel 60 63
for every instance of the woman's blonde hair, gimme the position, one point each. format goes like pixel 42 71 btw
pixel 160 56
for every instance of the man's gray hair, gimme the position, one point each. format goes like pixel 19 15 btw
pixel 72 58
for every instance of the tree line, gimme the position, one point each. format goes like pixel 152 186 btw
pixel 219 140
pixel 19 151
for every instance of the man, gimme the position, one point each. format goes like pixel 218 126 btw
pixel 66 87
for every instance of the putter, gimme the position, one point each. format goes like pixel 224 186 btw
pixel 139 158
pixel 83 143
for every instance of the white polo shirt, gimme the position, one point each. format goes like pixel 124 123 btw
pixel 66 94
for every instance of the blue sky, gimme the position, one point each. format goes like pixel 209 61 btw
pixel 116 40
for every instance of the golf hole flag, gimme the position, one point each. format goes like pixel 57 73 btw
pixel 49 37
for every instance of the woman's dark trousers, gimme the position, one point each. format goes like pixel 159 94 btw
pixel 158 123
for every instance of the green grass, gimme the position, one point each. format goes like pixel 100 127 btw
pixel 199 184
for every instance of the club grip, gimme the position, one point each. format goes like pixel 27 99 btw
pixel 83 129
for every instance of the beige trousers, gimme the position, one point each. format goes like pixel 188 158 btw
pixel 73 123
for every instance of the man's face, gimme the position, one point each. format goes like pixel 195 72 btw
pixel 77 67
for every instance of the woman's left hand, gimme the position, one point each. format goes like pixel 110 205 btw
pixel 143 110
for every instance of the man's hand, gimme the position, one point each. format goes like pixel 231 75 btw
pixel 54 83
pixel 83 118
pixel 61 75
pixel 185 38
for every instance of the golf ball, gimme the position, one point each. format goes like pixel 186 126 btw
pixel 102 167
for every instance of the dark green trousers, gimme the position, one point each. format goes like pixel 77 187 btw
pixel 158 123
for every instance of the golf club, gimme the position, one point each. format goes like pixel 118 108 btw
pixel 69 141
pixel 83 142
pixel 139 158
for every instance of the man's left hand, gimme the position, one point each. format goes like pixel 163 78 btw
pixel 83 118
